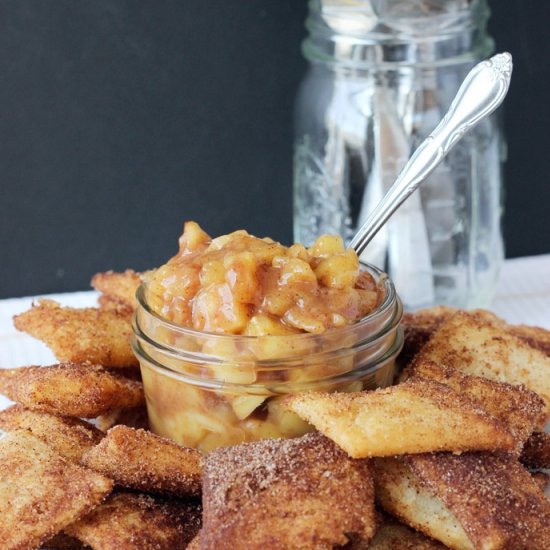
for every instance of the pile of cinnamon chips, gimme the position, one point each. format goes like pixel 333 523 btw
pixel 448 457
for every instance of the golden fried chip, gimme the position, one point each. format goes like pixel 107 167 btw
pixel 495 499
pixel 515 406
pixel 119 289
pixel 70 437
pixel 419 327
pixel 536 337
pixel 41 492
pixel 536 451
pixel 414 417
pixel 141 460
pixel 392 535
pixel 70 389
pixel 280 494
pixel 401 493
pixel 138 522
pixel 476 346
pixel 135 418
pixel 80 335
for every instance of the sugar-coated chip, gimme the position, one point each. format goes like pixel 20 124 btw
pixel 118 289
pixel 516 407
pixel 70 437
pixel 419 326
pixel 141 460
pixel 128 521
pixel 536 337
pixel 475 345
pixel 81 335
pixel 401 493
pixel 495 499
pixel 278 494
pixel 414 417
pixel 41 492
pixel 69 389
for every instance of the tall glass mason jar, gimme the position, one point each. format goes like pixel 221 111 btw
pixel 382 74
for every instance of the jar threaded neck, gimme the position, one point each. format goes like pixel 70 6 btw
pixel 369 34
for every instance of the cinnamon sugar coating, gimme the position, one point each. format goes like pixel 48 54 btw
pixel 541 479
pixel 495 499
pixel 70 389
pixel 118 289
pixel 41 492
pixel 476 345
pixel 278 494
pixel 417 416
pixel 141 460
pixel 401 493
pixel 536 337
pixel 70 437
pixel 419 327
pixel 516 407
pixel 80 335
pixel 128 521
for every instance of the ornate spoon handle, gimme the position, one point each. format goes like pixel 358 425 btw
pixel 482 91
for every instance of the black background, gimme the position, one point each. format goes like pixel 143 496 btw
pixel 121 119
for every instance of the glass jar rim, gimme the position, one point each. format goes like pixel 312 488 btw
pixel 332 31
pixel 278 363
pixel 390 296
pixel 377 336
pixel 275 388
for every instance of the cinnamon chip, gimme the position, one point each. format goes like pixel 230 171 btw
pixel 414 417
pixel 70 389
pixel 515 407
pixel 70 437
pixel 141 460
pixel 474 345
pixel 138 522
pixel 41 492
pixel 495 499
pixel 279 494
pixel 401 493
pixel 80 335
pixel 118 289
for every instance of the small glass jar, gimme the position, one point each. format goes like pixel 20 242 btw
pixel 382 74
pixel 207 390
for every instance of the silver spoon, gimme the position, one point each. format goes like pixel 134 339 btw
pixel 482 91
